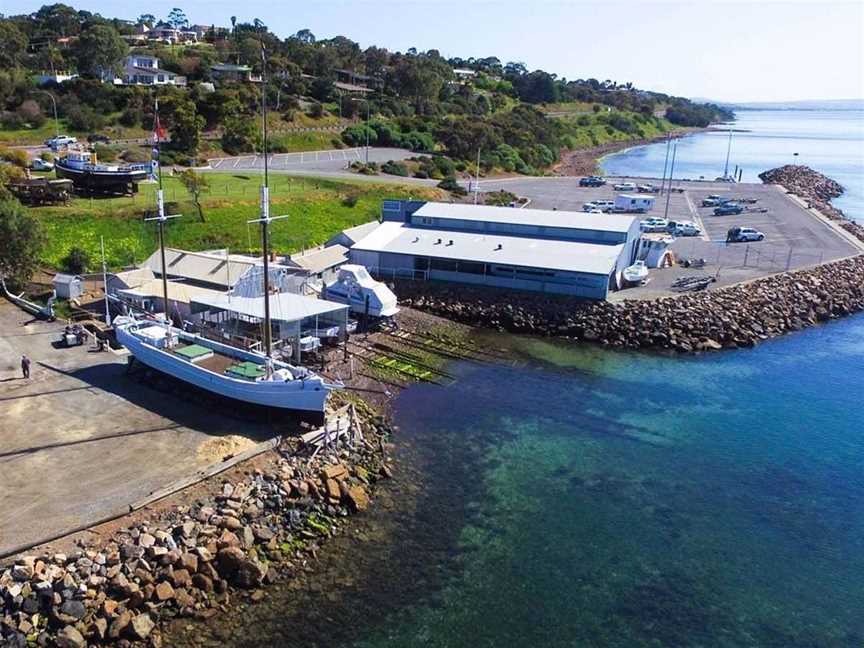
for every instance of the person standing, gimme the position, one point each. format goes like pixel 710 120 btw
pixel 25 366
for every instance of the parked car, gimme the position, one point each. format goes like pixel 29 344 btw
pixel 98 138
pixel 60 140
pixel 712 201
pixel 592 181
pixel 647 188
pixel 38 164
pixel 654 224
pixel 594 210
pixel 686 229
pixel 600 205
pixel 743 235
pixel 624 186
pixel 728 209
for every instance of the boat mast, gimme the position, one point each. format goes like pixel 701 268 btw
pixel 265 206
pixel 728 151
pixel 161 218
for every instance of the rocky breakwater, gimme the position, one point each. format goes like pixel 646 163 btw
pixel 736 316
pixel 260 526
pixel 816 189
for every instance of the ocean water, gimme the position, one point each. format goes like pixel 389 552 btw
pixel 831 142
pixel 632 500
pixel 580 497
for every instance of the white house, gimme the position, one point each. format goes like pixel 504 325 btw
pixel 144 70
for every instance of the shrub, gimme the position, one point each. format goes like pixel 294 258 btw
pixel 11 121
pixel 351 199
pixel 105 153
pixel 452 185
pixel 16 157
pixel 31 113
pixel 420 173
pixel 316 111
pixel 84 118
pixel 395 168
pixel 77 261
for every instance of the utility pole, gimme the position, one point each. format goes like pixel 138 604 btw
pixel 728 151
pixel 477 178
pixel 671 174
pixel 665 162
pixel 368 110
pixel 54 105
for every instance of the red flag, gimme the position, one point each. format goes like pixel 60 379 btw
pixel 159 133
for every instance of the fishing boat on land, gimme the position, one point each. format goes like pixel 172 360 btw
pixel 82 167
pixel 636 273
pixel 243 375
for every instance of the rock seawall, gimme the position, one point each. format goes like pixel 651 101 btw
pixel 193 561
pixel 737 316
pixel 816 189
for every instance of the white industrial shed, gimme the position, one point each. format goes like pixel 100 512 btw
pixel 525 249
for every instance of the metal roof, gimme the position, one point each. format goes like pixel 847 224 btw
pixel 284 307
pixel 200 266
pixel 178 292
pixel 357 232
pixel 569 256
pixel 61 278
pixel 321 259
pixel 134 277
pixel 534 217
pixel 230 67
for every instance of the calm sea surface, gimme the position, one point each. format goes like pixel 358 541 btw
pixel 582 497
pixel 831 142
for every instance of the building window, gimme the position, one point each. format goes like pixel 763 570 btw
pixel 161 78
pixel 446 265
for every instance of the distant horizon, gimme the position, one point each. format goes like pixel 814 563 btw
pixel 744 52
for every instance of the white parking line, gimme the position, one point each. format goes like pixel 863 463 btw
pixel 301 158
pixel 236 162
pixel 344 157
pixel 330 155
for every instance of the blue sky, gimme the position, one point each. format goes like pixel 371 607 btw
pixel 732 51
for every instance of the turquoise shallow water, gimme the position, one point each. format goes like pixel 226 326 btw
pixel 632 500
pixel 831 142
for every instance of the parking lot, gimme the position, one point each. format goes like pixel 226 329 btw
pixel 794 236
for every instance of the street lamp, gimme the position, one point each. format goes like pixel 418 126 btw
pixel 54 104
pixel 368 109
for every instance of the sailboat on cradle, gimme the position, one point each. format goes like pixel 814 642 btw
pixel 247 376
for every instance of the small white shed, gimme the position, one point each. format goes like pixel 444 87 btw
pixel 68 286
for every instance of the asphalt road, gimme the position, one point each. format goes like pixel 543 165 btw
pixel 312 161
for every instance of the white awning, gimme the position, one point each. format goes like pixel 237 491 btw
pixel 284 307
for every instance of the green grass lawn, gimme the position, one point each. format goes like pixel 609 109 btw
pixel 30 136
pixel 315 207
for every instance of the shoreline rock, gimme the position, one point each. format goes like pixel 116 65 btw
pixel 190 561
pixel 816 189
pixel 736 316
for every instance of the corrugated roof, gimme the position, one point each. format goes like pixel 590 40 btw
pixel 178 292
pixel 135 277
pixel 199 266
pixel 61 278
pixel 541 217
pixel 284 307
pixel 319 260
pixel 399 238
pixel 358 232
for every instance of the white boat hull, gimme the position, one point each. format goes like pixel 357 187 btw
pixel 307 395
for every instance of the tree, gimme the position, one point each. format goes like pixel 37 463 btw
pixel 13 45
pixel 100 49
pixel 147 19
pixel 304 36
pixel 238 134
pixel 177 19
pixel 186 126
pixel 195 184
pixel 21 242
